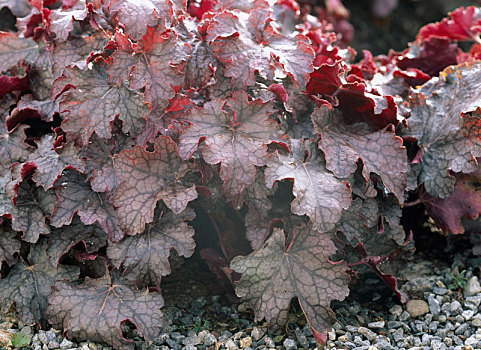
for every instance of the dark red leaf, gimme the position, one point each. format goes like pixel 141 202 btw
pixel 381 152
pixel 282 270
pixel 63 239
pixel 28 285
pixel 463 24
pixel 237 139
pixel 464 202
pixel 319 194
pixel 145 257
pixel 71 308
pixel 14 49
pixel 90 90
pixel 446 122
pixel 76 197
pixel 148 177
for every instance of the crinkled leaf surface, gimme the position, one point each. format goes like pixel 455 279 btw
pixel 464 24
pixel 280 271
pixel 52 162
pixel 76 51
pixel 9 245
pixel 258 217
pixel 12 147
pixel 46 108
pixel 448 136
pixel 147 178
pixel 94 103
pixel 99 154
pixel 28 284
pixel 381 152
pixel 238 139
pixel 19 8
pixel 75 196
pixel 96 309
pixel 146 256
pixel 63 239
pixel 249 43
pixel 464 202
pixel 319 194
pixel 14 49
pixel 61 21
pixel 32 206
pixel 136 15
pixel 155 67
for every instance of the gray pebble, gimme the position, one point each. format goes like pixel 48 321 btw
pixel 301 338
pixel 461 329
pixel 194 340
pixel 440 291
pixel 257 333
pixel 269 343
pixel 51 335
pixel 53 344
pixel 434 305
pixel 404 316
pixel 209 340
pixel 472 287
pixel 394 324
pixel 467 314
pixel 230 345
pixel 289 344
pixel 437 345
pixel 476 322
pixel 396 310
pixel 367 333
pixel 189 347
pixel 456 307
pixel 42 337
pixel 66 344
pixel 173 344
pixel 398 335
pixel 376 325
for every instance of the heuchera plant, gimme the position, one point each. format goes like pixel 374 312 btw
pixel 123 120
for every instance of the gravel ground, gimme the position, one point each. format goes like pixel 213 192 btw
pixel 438 316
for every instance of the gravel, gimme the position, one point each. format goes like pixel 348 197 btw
pixel 369 319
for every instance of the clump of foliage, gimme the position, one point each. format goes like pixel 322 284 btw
pixel 125 124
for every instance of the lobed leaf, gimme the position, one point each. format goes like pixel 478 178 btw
pixel 50 162
pixel 14 49
pixel 75 196
pixel 319 194
pixel 446 122
pixel 157 66
pixel 136 16
pixel 71 307
pixel 9 245
pixel 148 177
pixel 381 152
pixel 238 140
pixel 94 103
pixel 145 257
pixel 63 239
pixel 282 270
pixel 249 43
pixel 28 284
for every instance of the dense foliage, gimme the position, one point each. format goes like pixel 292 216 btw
pixel 125 124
